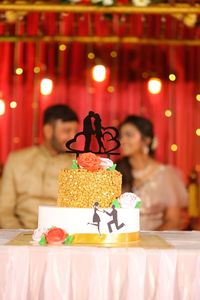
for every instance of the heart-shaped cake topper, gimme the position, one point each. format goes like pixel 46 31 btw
pixel 106 139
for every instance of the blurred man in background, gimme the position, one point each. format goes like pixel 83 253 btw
pixel 30 175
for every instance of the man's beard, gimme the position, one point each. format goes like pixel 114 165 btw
pixel 56 145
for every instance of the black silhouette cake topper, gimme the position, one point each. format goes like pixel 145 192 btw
pixel 113 214
pixel 114 220
pixel 96 219
pixel 106 138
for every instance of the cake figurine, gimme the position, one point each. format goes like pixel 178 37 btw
pixel 90 207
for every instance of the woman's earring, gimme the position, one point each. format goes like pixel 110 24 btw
pixel 146 150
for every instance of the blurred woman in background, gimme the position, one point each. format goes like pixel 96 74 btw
pixel 159 186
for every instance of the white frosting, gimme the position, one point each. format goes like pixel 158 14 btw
pixel 75 220
pixel 106 163
pixel 128 200
pixel 38 233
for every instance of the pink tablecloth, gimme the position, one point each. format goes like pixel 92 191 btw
pixel 86 273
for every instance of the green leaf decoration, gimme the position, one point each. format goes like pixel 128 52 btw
pixel 138 204
pixel 43 241
pixel 116 203
pixel 112 168
pixel 74 164
pixel 69 240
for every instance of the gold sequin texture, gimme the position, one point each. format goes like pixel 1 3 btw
pixel 82 188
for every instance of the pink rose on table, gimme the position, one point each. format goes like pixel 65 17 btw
pixel 55 236
pixel 106 163
pixel 127 200
pixel 38 233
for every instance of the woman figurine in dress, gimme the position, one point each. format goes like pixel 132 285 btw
pixel 96 219
pixel 98 132
pixel 159 186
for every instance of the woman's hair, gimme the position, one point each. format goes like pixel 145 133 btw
pixel 124 167
pixel 145 127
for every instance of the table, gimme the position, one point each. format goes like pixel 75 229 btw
pixel 91 273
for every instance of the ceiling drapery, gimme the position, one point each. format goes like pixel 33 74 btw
pixel 153 23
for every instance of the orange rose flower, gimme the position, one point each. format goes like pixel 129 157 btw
pixel 55 236
pixel 89 161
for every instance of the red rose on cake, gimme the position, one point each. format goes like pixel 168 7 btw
pixel 55 236
pixel 89 161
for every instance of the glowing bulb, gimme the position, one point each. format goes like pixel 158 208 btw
pixel 91 90
pixel 19 71
pixel 168 113
pixel 91 55
pixel 34 105
pixel 172 77
pixel 154 85
pixel 13 104
pixel 110 89
pixel 62 47
pixel 145 75
pixel 16 140
pixel 198 131
pixel 113 54
pixel 174 147
pixel 197 168
pixel 99 73
pixel 2 107
pixel 36 70
pixel 198 97
pixel 46 86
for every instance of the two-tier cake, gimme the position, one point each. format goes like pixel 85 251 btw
pixel 90 208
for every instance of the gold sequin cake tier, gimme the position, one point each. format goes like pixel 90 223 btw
pixel 82 188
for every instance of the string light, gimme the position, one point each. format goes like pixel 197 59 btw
pixel 62 47
pixel 46 86
pixel 16 140
pixel 111 89
pixel 36 70
pixel 172 77
pixel 113 54
pixel 174 147
pixel 197 168
pixel 99 73
pixel 91 90
pixel 34 105
pixel 145 75
pixel 198 97
pixel 13 104
pixel 2 107
pixel 19 71
pixel 168 113
pixel 198 131
pixel 154 85
pixel 91 55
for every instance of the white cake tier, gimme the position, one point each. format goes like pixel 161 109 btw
pixel 86 220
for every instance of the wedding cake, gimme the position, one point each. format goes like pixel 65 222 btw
pixel 90 208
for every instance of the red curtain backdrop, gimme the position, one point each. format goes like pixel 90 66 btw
pixel 123 92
